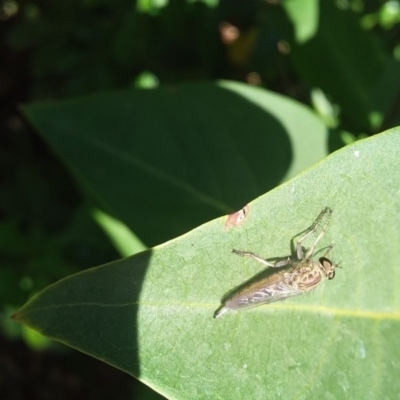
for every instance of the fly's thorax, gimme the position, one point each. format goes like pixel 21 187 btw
pixel 307 275
pixel 327 267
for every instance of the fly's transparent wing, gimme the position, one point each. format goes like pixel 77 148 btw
pixel 266 291
pixel 280 286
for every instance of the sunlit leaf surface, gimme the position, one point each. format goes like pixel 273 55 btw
pixel 151 315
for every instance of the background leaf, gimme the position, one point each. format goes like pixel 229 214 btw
pixel 304 17
pixel 181 155
pixel 151 314
pixel 122 237
pixel 357 63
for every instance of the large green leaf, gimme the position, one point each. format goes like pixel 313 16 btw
pixel 166 160
pixel 151 315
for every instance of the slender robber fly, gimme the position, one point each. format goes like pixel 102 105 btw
pixel 302 275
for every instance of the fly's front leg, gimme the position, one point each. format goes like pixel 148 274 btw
pixel 326 211
pixel 278 264
pixel 329 248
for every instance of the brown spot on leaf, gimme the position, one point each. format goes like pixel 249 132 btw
pixel 237 218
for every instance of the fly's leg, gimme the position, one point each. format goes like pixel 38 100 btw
pixel 252 255
pixel 326 211
pixel 278 264
pixel 328 250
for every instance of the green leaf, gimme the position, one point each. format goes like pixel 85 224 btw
pixel 124 240
pixel 151 315
pixel 166 160
pixel 345 63
pixel 304 16
pixel 385 91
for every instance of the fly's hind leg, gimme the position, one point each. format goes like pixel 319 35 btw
pixel 325 212
pixel 278 264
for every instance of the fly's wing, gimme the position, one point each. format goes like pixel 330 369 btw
pixel 262 295
pixel 277 287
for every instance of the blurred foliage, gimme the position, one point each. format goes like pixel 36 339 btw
pixel 79 47
pixel 341 58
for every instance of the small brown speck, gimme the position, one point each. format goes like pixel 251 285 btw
pixel 237 218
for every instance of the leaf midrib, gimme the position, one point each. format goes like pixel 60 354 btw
pixel 372 315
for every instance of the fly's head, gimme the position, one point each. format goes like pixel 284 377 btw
pixel 327 267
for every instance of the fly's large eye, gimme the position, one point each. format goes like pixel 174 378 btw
pixel 327 267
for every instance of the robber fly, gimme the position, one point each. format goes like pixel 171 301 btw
pixel 303 275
